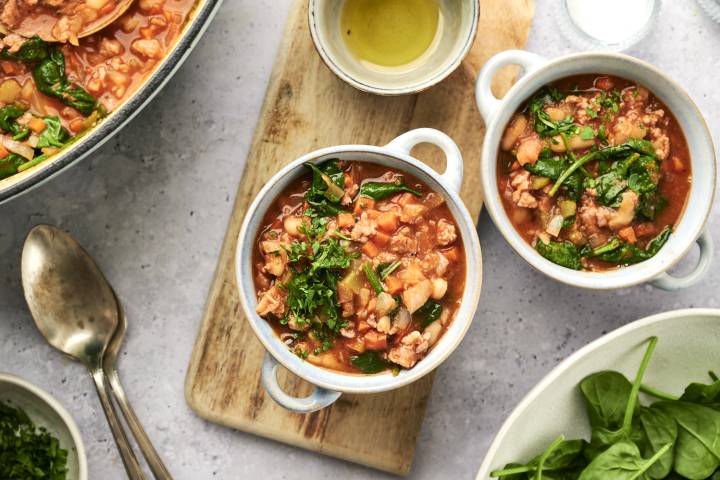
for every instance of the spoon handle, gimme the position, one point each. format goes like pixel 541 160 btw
pixel 148 450
pixel 132 467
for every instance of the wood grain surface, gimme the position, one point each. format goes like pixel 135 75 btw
pixel 306 107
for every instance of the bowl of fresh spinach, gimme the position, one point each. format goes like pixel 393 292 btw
pixel 38 437
pixel 642 402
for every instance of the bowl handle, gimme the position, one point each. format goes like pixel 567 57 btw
pixel 317 400
pixel 453 173
pixel 671 284
pixel 487 102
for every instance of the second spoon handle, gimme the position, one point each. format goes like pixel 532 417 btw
pixel 148 450
pixel 132 466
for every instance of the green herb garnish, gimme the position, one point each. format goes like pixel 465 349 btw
pixel 28 452
pixel 373 278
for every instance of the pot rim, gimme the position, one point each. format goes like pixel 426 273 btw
pixel 384 381
pixel 633 274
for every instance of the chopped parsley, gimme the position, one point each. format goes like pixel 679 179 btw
pixel 544 125
pixel 28 452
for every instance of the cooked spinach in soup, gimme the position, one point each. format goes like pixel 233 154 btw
pixel 359 268
pixel 594 172
pixel 52 92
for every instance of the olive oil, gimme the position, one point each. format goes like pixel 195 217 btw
pixel 389 33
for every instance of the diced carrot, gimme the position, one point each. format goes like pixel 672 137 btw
pixel 345 220
pixel 362 326
pixel 394 285
pixel 3 152
pixel 362 204
pixel 9 68
pixel 370 249
pixel 452 254
pixel 37 125
pixel 515 165
pixel 381 239
pixel 373 214
pixel 644 229
pixel 76 125
pixel 388 222
pixel 628 234
pixel 375 340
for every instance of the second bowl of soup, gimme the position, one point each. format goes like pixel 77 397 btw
pixel 359 268
pixel 598 169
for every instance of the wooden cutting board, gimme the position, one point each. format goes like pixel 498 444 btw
pixel 306 107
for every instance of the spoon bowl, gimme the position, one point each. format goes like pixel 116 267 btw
pixel 68 296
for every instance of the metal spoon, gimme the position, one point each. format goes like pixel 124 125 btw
pixel 44 29
pixel 154 461
pixel 75 309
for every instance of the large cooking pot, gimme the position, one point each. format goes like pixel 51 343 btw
pixel 197 22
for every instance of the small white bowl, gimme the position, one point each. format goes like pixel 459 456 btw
pixel 47 412
pixel 686 350
pixel 330 384
pixel 458 29
pixel 537 72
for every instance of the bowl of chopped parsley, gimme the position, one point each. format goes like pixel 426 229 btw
pixel 38 437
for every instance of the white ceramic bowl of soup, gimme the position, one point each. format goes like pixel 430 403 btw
pixel 686 350
pixel 45 411
pixel 330 384
pixel 537 72
pixel 456 33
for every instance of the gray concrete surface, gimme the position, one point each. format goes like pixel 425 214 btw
pixel 152 207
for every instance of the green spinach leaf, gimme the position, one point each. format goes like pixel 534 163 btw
pixel 54 134
pixel 9 165
pixel 327 188
pixel 622 461
pixel 8 116
pixel 565 254
pixel 429 312
pixel 697 451
pixel 620 253
pixel 369 362
pixel 380 190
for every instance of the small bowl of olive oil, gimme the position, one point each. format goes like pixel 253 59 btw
pixel 393 47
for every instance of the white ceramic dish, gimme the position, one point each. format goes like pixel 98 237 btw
pixel 459 21
pixel 47 412
pixel 539 71
pixel 686 350
pixel 330 384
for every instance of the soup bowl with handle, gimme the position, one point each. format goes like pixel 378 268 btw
pixel 537 72
pixel 330 384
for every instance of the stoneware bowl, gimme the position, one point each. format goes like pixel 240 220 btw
pixel 47 412
pixel 456 33
pixel 538 71
pixel 686 350
pixel 329 383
